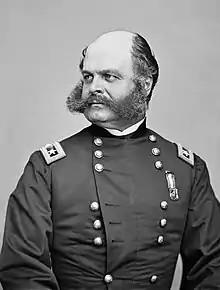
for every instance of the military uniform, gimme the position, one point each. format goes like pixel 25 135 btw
pixel 107 212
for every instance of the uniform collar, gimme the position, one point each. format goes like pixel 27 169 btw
pixel 137 130
pixel 127 131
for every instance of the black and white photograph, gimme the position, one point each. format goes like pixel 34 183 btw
pixel 110 140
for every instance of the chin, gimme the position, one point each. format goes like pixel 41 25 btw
pixel 98 115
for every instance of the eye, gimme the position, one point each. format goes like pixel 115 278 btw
pixel 110 78
pixel 87 78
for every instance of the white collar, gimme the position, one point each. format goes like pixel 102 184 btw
pixel 127 131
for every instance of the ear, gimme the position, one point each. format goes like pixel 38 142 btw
pixel 148 84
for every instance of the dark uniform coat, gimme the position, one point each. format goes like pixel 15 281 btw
pixel 113 214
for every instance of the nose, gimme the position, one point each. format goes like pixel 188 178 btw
pixel 96 85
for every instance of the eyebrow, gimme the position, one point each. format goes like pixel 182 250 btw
pixel 104 71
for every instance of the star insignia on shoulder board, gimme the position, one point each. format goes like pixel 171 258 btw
pixel 185 154
pixel 52 152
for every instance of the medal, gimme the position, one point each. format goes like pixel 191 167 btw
pixel 171 183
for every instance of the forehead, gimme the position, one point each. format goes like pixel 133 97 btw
pixel 108 54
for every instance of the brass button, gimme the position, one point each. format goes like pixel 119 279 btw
pixel 160 240
pixel 98 154
pixel 94 206
pixel 156 151
pixel 153 278
pixel 158 164
pixel 108 278
pixel 97 224
pixel 163 223
pixel 152 138
pixel 98 141
pixel 99 167
pixel 164 204
pixel 97 241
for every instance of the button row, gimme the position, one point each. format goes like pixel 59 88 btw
pixel 98 240
pixel 108 279
pixel 94 206
pixel 99 154
pixel 163 222
pixel 99 167
pixel 156 151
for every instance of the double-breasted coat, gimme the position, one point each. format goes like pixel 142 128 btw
pixel 113 213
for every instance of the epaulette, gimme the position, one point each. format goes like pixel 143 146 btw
pixel 52 152
pixel 185 154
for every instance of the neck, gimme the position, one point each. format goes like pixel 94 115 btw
pixel 119 125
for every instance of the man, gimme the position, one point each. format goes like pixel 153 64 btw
pixel 112 206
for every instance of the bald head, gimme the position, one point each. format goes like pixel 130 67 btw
pixel 124 48
pixel 115 41
pixel 110 50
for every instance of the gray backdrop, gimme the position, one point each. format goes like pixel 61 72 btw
pixel 40 45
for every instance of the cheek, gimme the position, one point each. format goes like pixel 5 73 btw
pixel 115 89
pixel 119 91
pixel 85 90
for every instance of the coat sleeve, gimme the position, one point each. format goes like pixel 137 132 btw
pixel 200 248
pixel 25 262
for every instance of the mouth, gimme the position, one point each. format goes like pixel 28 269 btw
pixel 96 105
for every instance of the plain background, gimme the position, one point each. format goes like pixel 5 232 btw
pixel 40 47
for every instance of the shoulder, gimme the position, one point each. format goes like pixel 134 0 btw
pixel 175 150
pixel 185 164
pixel 52 152
pixel 58 150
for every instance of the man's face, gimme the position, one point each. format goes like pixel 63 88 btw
pixel 108 92
pixel 108 75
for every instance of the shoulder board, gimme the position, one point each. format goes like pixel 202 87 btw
pixel 185 154
pixel 52 152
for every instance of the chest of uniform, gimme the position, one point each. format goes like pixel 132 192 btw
pixel 127 178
